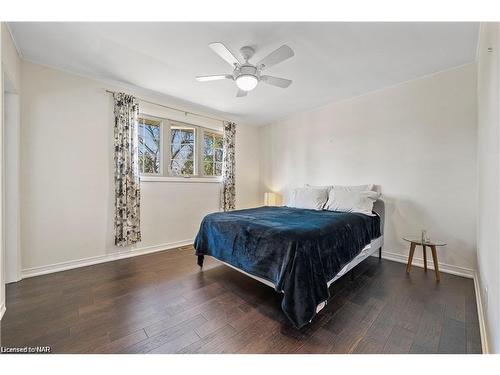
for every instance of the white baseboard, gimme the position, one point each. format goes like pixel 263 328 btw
pixel 63 266
pixel 2 310
pixel 419 262
pixel 480 315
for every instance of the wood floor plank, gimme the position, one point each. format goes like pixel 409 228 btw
pixel 429 331
pixel 368 346
pixel 453 339
pixel 212 340
pixel 399 341
pixel 320 342
pixel 176 345
pixel 171 334
pixel 122 343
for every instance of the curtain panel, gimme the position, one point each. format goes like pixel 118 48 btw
pixel 127 179
pixel 228 196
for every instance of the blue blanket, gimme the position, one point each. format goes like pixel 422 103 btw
pixel 298 250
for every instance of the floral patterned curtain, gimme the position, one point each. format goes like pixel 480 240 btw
pixel 127 181
pixel 228 163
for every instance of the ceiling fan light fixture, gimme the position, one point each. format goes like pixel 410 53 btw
pixel 247 82
pixel 245 74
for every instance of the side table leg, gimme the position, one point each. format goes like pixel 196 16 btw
pixel 410 257
pixel 425 258
pixel 435 259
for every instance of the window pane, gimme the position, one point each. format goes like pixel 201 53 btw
pixel 188 167
pixel 208 141
pixel 182 167
pixel 218 155
pixel 175 136
pixel 149 146
pixel 218 141
pixel 182 151
pixel 181 136
pixel 218 169
pixel 212 153
pixel 208 168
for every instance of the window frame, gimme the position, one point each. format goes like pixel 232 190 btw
pixel 180 125
pixel 161 151
pixel 202 139
pixel 166 175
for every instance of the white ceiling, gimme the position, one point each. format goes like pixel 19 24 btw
pixel 332 62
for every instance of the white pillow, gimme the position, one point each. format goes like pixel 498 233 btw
pixel 367 187
pixel 309 198
pixel 327 187
pixel 288 196
pixel 346 199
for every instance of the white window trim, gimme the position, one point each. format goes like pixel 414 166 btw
pixel 206 179
pixel 166 176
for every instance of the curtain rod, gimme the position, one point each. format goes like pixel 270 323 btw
pixel 172 108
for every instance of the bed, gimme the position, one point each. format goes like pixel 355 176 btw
pixel 298 252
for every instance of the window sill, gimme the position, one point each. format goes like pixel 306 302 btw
pixel 212 180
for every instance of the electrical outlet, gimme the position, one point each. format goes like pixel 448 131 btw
pixel 485 298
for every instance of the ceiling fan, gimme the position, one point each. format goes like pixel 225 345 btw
pixel 245 74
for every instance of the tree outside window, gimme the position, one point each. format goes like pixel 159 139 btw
pixel 212 154
pixel 182 151
pixel 149 146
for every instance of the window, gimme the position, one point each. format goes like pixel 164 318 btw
pixel 177 149
pixel 212 154
pixel 149 146
pixel 182 151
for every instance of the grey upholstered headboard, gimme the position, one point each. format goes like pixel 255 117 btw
pixel 379 209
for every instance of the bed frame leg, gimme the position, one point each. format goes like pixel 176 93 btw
pixel 200 260
pixel 380 253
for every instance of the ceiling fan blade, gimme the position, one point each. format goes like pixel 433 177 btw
pixel 279 55
pixel 241 93
pixel 213 78
pixel 221 50
pixel 275 81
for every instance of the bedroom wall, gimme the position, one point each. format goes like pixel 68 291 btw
pixel 67 176
pixel 9 82
pixel 416 140
pixel 488 240
pixel 2 254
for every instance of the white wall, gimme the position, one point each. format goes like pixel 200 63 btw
pixel 67 175
pixel 9 82
pixel 12 213
pixel 2 254
pixel 10 59
pixel 488 224
pixel 417 140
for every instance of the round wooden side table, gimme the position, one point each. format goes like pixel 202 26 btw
pixel 432 244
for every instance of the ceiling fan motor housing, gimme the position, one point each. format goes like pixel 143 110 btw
pixel 246 70
pixel 247 52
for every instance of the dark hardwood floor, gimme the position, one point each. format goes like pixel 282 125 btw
pixel 162 303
